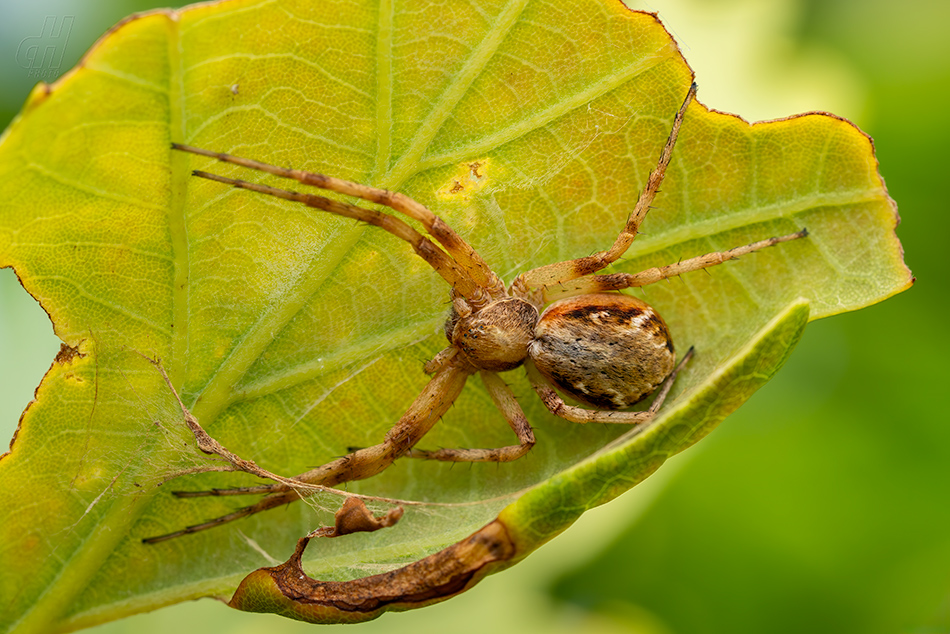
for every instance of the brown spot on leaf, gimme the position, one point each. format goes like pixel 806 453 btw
pixel 67 353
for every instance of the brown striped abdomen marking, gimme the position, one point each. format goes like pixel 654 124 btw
pixel 606 349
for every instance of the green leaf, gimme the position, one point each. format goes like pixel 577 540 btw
pixel 293 335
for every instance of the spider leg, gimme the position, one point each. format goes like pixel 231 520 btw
pixel 260 489
pixel 434 400
pixel 556 405
pixel 618 281
pixel 444 265
pixel 505 401
pixel 572 269
pixel 463 253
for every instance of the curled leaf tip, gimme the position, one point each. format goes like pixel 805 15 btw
pixel 287 590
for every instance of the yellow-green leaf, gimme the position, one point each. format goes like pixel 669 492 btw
pixel 293 335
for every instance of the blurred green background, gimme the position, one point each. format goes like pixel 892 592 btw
pixel 821 505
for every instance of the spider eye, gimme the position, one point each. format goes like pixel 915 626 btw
pixel 608 350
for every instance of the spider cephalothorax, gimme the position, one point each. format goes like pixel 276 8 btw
pixel 494 338
pixel 569 327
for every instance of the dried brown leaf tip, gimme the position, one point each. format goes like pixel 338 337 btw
pixel 287 590
pixel 354 517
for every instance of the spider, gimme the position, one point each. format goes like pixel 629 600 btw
pixel 567 326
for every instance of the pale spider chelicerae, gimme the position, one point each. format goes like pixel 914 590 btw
pixel 602 348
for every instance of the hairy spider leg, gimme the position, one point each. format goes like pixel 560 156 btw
pixel 431 404
pixel 551 274
pixel 505 401
pixel 619 281
pixel 467 257
pixel 444 265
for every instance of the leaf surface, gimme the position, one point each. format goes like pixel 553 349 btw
pixel 293 335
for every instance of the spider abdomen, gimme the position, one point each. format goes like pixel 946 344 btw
pixel 608 350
